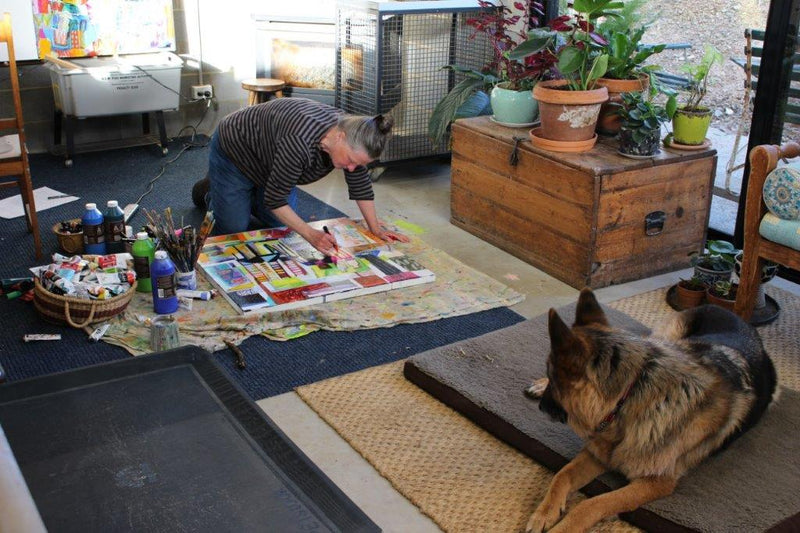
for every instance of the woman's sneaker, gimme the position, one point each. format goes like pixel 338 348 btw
pixel 200 191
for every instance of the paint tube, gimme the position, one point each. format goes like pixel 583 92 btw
pixel 30 337
pixel 114 260
pixel 197 295
pixel 7 283
pixel 99 332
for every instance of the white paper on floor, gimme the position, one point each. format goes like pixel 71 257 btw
pixel 43 197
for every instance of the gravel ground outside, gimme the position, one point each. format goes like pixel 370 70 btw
pixel 720 23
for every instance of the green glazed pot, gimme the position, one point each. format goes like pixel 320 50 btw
pixel 513 107
pixel 690 127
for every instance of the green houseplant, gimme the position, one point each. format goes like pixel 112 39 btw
pixel 626 72
pixel 640 123
pixel 472 96
pixel 722 293
pixel 716 263
pixel 690 292
pixel 690 121
pixel 569 107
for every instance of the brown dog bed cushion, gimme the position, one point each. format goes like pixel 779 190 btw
pixel 751 486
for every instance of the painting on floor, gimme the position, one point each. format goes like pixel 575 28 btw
pixel 276 269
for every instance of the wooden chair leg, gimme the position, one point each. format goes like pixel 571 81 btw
pixel 26 191
pixel 749 281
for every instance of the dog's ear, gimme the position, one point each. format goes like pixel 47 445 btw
pixel 562 339
pixel 588 310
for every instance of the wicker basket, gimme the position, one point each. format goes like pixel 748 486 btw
pixel 70 243
pixel 77 312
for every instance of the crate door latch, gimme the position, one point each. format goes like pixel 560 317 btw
pixel 654 223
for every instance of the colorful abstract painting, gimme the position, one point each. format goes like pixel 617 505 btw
pixel 88 28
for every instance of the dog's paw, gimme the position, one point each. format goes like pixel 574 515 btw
pixel 537 388
pixel 543 519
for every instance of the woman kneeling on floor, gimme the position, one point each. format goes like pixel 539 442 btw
pixel 260 153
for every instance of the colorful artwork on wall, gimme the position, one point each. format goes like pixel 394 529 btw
pixel 276 269
pixel 88 28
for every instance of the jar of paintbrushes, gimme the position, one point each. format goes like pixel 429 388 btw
pixel 182 243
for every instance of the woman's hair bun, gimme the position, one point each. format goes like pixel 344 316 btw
pixel 384 123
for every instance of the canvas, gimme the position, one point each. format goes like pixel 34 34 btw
pixel 276 269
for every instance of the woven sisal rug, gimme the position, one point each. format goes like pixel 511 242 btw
pixel 455 472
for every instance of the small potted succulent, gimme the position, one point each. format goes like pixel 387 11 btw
pixel 722 293
pixel 640 123
pixel 690 292
pixel 690 121
pixel 716 263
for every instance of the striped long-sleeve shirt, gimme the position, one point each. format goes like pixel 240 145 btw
pixel 276 145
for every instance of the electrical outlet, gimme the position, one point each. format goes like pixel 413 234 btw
pixel 202 92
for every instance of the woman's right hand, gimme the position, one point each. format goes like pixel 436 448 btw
pixel 324 242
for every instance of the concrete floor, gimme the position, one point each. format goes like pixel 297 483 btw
pixel 421 195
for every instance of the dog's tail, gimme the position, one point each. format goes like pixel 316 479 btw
pixel 717 326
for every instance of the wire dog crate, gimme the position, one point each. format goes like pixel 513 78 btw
pixel 389 60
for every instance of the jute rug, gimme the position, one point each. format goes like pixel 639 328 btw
pixel 458 474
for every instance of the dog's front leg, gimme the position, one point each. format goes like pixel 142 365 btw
pixel 632 496
pixel 573 476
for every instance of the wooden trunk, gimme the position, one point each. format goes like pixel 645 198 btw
pixel 581 218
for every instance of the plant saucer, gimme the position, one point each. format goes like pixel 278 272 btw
pixel 636 156
pixel 669 143
pixel 513 124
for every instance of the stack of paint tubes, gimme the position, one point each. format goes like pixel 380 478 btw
pixel 100 278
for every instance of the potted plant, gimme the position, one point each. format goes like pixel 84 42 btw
pixel 640 123
pixel 690 121
pixel 569 107
pixel 626 72
pixel 690 292
pixel 716 263
pixel 722 293
pixel 503 86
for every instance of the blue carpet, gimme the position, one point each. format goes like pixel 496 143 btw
pixel 272 367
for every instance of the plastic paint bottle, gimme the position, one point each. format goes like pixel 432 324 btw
pixel 143 252
pixel 114 226
pixel 93 238
pixel 162 278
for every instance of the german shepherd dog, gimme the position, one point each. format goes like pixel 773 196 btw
pixel 650 408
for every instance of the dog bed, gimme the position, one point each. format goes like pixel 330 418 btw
pixel 751 486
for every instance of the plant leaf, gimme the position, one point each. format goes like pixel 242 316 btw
pixel 445 111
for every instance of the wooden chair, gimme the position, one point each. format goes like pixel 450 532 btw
pixel 13 152
pixel 757 250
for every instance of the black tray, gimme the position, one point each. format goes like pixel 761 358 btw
pixel 760 317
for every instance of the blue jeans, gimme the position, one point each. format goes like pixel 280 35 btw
pixel 234 198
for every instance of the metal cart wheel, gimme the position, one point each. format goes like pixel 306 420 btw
pixel 164 150
pixel 68 163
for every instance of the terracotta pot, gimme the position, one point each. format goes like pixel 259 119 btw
pixel 725 303
pixel 609 122
pixel 568 115
pixel 687 298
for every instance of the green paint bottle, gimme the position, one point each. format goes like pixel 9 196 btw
pixel 143 252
